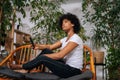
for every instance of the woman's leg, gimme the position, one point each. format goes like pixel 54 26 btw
pixel 58 68
pixel 46 51
pixel 35 62
pixel 29 64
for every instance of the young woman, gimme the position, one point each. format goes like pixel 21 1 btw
pixel 71 51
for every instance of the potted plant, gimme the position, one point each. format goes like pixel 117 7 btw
pixel 105 16
pixel 97 45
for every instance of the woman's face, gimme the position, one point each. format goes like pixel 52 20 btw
pixel 67 25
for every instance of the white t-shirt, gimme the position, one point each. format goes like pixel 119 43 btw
pixel 75 57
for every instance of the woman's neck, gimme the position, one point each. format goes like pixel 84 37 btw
pixel 69 34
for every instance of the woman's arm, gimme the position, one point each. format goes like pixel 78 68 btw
pixel 66 50
pixel 49 46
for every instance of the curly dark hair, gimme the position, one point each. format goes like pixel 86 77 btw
pixel 73 19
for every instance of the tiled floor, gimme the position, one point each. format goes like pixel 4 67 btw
pixel 99 73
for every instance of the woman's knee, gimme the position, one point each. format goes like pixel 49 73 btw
pixel 46 51
pixel 35 62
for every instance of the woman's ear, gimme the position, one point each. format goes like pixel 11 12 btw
pixel 73 25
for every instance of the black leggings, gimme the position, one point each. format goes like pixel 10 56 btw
pixel 58 68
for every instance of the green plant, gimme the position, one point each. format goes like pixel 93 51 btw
pixel 105 15
pixel 46 29
pixel 46 20
pixel 43 13
pixel 8 16
pixel 113 63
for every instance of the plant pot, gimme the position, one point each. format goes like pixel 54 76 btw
pixel 98 56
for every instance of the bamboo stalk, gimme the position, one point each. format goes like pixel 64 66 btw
pixel 12 31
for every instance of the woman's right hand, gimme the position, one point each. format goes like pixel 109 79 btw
pixel 37 46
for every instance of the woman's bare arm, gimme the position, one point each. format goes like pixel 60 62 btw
pixel 66 50
pixel 49 46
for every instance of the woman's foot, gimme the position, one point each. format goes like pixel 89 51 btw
pixel 14 66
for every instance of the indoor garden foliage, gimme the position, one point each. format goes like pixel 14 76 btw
pixel 44 14
pixel 105 14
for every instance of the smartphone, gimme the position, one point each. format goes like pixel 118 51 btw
pixel 31 41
